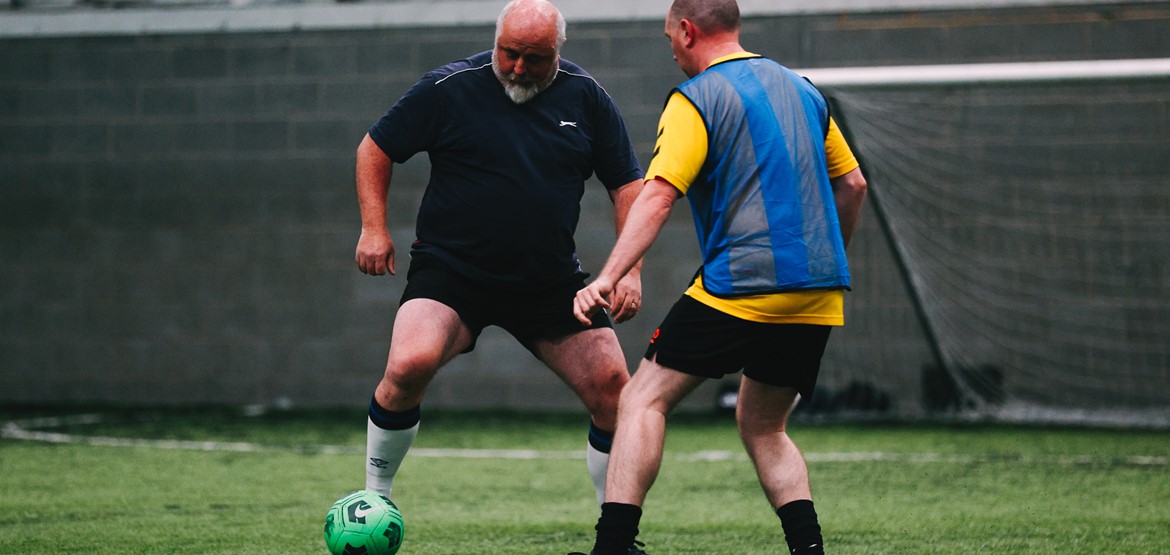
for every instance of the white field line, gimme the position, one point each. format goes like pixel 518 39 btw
pixel 20 430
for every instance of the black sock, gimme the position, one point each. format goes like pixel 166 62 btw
pixel 801 529
pixel 387 419
pixel 617 528
pixel 600 439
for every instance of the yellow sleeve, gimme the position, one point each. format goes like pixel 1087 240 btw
pixel 838 155
pixel 681 147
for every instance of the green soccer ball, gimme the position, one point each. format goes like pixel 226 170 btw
pixel 363 523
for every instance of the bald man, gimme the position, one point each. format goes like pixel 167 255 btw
pixel 512 134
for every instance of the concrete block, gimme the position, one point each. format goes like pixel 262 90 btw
pixel 232 100
pixel 130 139
pixel 325 136
pixel 261 58
pixel 445 46
pixel 1053 41
pixel 262 135
pixel 323 57
pixel 23 141
pixel 9 102
pixel 79 140
pixel 139 62
pixel 62 100
pixel 24 61
pixel 169 100
pixel 289 99
pixel 384 53
pixel 781 39
pixel 78 59
pixel 199 61
pixel 207 138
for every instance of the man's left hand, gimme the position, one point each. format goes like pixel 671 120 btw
pixel 626 299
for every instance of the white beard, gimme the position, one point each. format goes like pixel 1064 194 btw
pixel 516 90
pixel 520 93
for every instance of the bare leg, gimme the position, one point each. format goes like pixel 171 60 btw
pixel 762 414
pixel 592 365
pixel 637 448
pixel 427 334
pixel 637 452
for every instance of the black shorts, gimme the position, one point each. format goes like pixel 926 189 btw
pixel 698 340
pixel 528 312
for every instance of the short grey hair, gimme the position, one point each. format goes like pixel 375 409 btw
pixel 708 15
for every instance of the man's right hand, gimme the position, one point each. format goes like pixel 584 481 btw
pixel 591 298
pixel 375 253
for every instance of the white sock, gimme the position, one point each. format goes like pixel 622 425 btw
pixel 385 450
pixel 597 462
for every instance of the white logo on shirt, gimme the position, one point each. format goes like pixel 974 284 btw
pixel 571 123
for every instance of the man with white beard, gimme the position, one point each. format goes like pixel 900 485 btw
pixel 512 134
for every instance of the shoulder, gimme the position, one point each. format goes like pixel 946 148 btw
pixel 747 65
pixel 568 68
pixel 460 69
pixel 577 75
pixel 797 79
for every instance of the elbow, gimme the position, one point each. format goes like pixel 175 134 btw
pixel 857 182
pixel 663 203
pixel 364 146
pixel 661 198
pixel 852 184
pixel 861 186
pixel 369 152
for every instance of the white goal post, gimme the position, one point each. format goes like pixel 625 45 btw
pixel 986 73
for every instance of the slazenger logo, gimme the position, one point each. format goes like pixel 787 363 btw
pixel 569 123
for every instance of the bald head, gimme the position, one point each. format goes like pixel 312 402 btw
pixel 711 16
pixel 701 31
pixel 535 21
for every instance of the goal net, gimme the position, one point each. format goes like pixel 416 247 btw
pixel 1027 207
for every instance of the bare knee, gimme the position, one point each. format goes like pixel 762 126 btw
pixel 763 409
pixel 751 425
pixel 405 380
pixel 640 401
pixel 655 391
pixel 602 395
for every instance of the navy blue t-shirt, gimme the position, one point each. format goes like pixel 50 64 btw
pixel 506 182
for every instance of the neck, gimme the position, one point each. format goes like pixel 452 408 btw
pixel 720 49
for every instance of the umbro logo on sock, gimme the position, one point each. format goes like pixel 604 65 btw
pixel 569 123
pixel 378 463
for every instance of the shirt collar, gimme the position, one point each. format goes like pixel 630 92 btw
pixel 733 56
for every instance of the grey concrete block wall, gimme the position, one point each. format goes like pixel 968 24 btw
pixel 177 217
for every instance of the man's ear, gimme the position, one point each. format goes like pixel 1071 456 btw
pixel 689 32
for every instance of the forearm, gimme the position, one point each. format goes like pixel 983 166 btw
pixel 374 170
pixel 646 216
pixel 623 199
pixel 849 192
